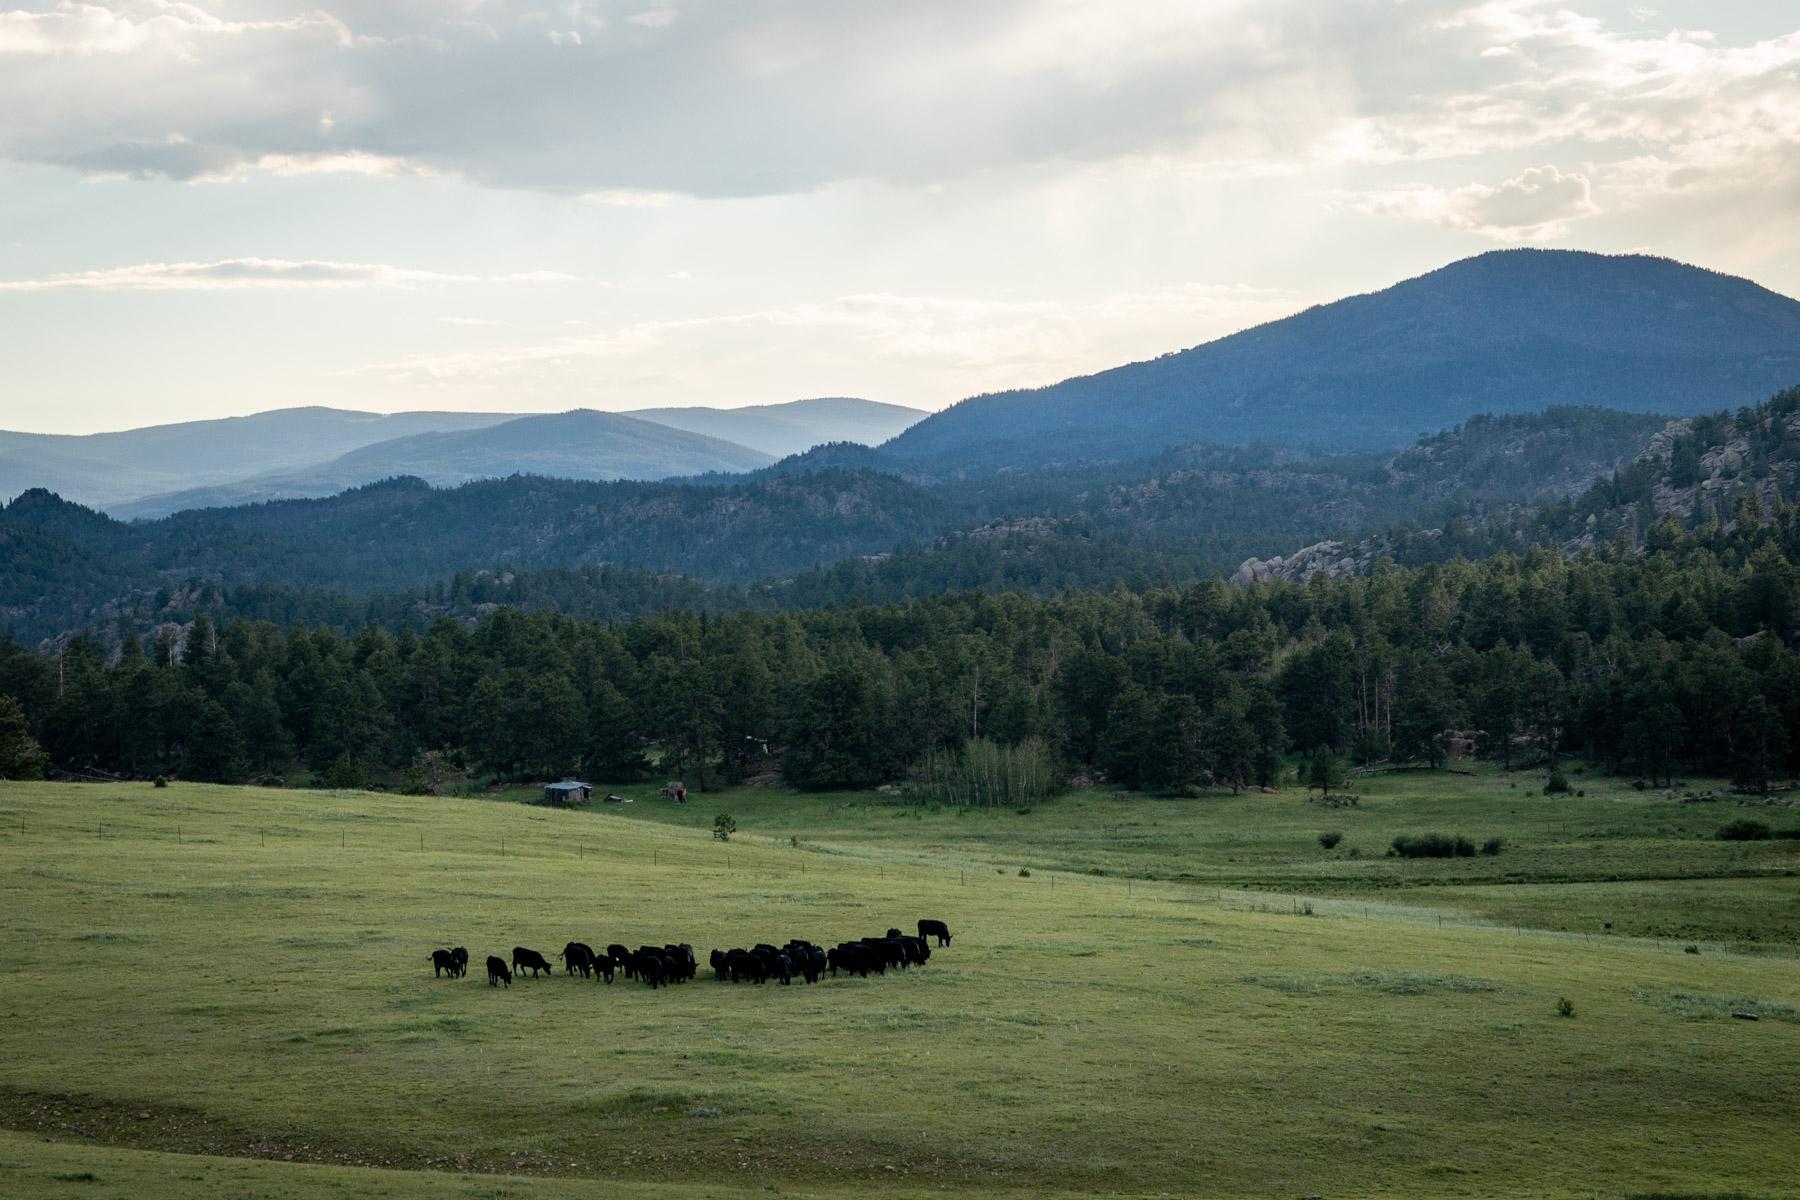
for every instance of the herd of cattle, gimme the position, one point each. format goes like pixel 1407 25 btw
pixel 656 966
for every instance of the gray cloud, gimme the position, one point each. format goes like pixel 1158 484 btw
pixel 1535 205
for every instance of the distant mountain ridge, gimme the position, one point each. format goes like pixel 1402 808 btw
pixel 1506 332
pixel 780 430
pixel 580 444
pixel 311 452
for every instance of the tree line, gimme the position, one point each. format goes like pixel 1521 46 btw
pixel 1677 660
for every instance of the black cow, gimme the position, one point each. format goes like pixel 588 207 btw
pixel 530 960
pixel 717 960
pixel 812 964
pixel 936 929
pixel 498 972
pixel 650 969
pixel 462 961
pixel 622 958
pixel 578 956
pixel 916 953
pixel 443 961
pixel 745 965
pixel 604 967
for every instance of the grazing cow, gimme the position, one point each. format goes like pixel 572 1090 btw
pixel 530 960
pixel 911 946
pixel 622 957
pixel 578 956
pixel 745 965
pixel 604 967
pixel 443 961
pixel 462 961
pixel 498 972
pixel 717 959
pixel 936 929
pixel 650 969
pixel 812 964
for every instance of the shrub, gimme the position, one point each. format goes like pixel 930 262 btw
pixel 724 827
pixel 1433 845
pixel 1565 1007
pixel 1742 830
pixel 346 773
pixel 1581 791
pixel 1330 838
pixel 1557 784
pixel 1493 846
pixel 161 781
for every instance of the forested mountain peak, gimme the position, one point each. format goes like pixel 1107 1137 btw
pixel 1504 332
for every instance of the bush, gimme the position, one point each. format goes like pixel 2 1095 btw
pixel 346 773
pixel 1743 831
pixel 724 827
pixel 1493 846
pixel 1557 784
pixel 1330 838
pixel 161 781
pixel 1565 1007
pixel 1581 791
pixel 1433 845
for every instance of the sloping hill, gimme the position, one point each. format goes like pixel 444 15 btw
pixel 108 468
pixel 794 427
pixel 1506 332
pixel 581 444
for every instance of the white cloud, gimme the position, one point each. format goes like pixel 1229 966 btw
pixel 237 274
pixel 736 100
pixel 1534 206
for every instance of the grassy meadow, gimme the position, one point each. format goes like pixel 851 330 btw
pixel 224 991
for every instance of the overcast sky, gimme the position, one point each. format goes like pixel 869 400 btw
pixel 224 206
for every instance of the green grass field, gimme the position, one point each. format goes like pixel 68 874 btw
pixel 224 992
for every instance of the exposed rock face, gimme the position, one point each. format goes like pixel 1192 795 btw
pixel 1332 559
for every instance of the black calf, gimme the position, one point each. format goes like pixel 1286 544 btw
pixel 498 972
pixel 936 929
pixel 442 962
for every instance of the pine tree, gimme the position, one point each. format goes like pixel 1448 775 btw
pixel 20 755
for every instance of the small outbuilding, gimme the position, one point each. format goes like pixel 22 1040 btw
pixel 569 791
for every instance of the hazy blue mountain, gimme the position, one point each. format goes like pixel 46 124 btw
pixel 1506 332
pixel 794 427
pixel 103 469
pixel 292 452
pixel 581 444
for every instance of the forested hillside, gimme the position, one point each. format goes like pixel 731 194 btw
pixel 1506 332
pixel 1677 661
pixel 1702 474
pixel 826 527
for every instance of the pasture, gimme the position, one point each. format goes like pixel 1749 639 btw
pixel 225 991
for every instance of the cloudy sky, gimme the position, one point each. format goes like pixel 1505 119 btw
pixel 218 207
